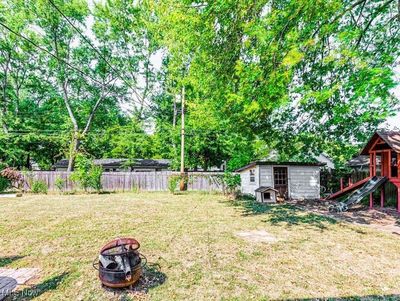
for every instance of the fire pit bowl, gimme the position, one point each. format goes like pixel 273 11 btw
pixel 120 263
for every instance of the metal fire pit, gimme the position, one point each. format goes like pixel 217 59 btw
pixel 120 263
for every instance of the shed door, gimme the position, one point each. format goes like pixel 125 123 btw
pixel 281 180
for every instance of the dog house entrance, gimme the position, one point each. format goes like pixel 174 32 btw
pixel 267 195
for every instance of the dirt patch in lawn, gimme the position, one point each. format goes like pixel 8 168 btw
pixel 385 219
pixel 257 236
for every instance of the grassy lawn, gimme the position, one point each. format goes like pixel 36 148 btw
pixel 194 252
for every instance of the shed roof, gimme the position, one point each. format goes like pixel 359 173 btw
pixel 358 161
pixel 255 163
pixel 265 188
pixel 392 138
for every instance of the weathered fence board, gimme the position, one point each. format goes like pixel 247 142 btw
pixel 129 181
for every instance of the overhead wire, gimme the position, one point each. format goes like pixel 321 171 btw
pixel 49 53
pixel 99 53
pixel 52 55
pixel 66 62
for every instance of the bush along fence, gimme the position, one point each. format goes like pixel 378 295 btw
pixel 61 181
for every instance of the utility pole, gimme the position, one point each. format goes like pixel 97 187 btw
pixel 183 184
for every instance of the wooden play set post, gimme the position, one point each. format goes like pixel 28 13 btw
pixel 379 146
pixel 372 173
pixel 386 145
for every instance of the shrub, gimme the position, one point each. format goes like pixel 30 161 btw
pixel 95 173
pixel 60 184
pixel 173 183
pixel 86 174
pixel 81 171
pixel 231 182
pixel 39 187
pixel 4 184
pixel 13 176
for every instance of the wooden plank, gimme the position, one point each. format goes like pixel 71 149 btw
pixel 21 275
pixel 6 272
pixel 24 274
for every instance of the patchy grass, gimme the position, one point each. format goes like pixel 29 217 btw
pixel 194 253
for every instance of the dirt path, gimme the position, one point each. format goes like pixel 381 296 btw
pixel 384 219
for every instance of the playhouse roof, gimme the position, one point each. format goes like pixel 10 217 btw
pixel 392 138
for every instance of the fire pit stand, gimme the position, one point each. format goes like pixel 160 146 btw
pixel 120 264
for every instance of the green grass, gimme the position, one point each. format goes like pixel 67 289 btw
pixel 193 251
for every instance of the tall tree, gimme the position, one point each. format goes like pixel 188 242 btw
pixel 85 87
pixel 302 76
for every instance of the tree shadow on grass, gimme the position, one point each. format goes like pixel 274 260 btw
pixel 151 278
pixel 395 297
pixel 293 216
pixel 35 291
pixel 4 261
pixel 282 213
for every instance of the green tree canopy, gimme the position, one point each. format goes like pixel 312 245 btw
pixel 300 77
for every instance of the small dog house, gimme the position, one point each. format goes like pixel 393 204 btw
pixel 266 194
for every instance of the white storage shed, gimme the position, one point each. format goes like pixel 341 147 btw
pixel 292 180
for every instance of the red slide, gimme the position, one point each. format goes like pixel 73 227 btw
pixel 348 189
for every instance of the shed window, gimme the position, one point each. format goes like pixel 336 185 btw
pixel 267 195
pixel 280 175
pixel 252 175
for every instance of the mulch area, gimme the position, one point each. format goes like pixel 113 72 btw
pixel 385 219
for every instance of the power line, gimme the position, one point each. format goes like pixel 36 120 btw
pixel 50 53
pixel 98 52
pixel 30 130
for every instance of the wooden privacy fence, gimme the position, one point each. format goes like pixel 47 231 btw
pixel 129 181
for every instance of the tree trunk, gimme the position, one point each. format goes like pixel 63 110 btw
pixel 3 110
pixel 73 150
pixel 28 161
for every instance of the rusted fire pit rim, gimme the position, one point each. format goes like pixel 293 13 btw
pixel 135 245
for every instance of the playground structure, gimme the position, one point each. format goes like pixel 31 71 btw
pixel 384 152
